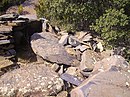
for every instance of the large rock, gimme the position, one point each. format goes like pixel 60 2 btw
pixel 111 78
pixel 46 45
pixel 88 59
pixel 29 80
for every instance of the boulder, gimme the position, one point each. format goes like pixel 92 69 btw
pixel 110 78
pixel 88 59
pixel 32 79
pixel 46 45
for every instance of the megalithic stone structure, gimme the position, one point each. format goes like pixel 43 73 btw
pixel 15 31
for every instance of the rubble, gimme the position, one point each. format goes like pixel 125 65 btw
pixel 77 59
pixel 110 74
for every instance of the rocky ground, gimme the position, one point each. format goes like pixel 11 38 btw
pixel 61 64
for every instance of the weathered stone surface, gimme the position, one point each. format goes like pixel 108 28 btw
pixel 46 45
pixel 111 78
pixel 8 16
pixel 72 71
pixel 63 94
pixel 86 38
pixel 5 29
pixel 71 79
pixel 81 34
pixel 30 17
pixel 73 41
pixel 4 62
pixel 100 47
pixel 107 53
pixel 34 78
pixel 70 50
pixel 82 47
pixel 64 39
pixel 88 59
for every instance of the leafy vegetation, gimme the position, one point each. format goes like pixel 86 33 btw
pixel 112 26
pixel 69 14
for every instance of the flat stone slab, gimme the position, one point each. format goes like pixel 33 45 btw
pixel 25 81
pixel 46 45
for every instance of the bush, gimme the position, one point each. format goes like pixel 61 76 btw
pixel 76 14
pixel 112 26
pixel 68 14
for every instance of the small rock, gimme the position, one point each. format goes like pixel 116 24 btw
pixel 57 29
pixel 73 41
pixel 107 53
pixel 64 40
pixel 63 94
pixel 81 34
pixel 72 71
pixel 55 67
pixel 87 38
pixel 62 33
pixel 61 71
pixel 82 47
pixel 78 55
pixel 71 79
pixel 100 47
pixel 70 51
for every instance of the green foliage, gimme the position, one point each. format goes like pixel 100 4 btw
pixel 111 26
pixel 69 14
pixel 20 9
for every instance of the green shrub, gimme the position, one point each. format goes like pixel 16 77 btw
pixel 68 14
pixel 111 26
pixel 76 14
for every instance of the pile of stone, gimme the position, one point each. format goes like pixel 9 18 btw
pixel 6 37
pixel 68 64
